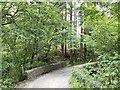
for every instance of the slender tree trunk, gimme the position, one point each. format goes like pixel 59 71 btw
pixel 65 49
pixel 71 11
pixel 62 45
pixel 62 48
pixel 56 48
pixel 75 29
pixel 81 44
pixel 85 48
pixel 66 20
pixel 31 61
pixel 85 51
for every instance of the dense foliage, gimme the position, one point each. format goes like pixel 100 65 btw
pixel 30 31
pixel 104 74
pixel 101 36
pixel 34 32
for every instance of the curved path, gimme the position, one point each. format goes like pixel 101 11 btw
pixel 55 79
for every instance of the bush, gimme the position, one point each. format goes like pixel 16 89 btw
pixel 103 74
pixel 7 83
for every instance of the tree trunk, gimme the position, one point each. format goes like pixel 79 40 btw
pixel 62 48
pixel 71 61
pixel 81 44
pixel 65 54
pixel 62 45
pixel 65 49
pixel 85 51
pixel 75 29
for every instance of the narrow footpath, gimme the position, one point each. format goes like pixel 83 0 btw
pixel 55 79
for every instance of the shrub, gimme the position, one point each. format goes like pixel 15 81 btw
pixel 103 74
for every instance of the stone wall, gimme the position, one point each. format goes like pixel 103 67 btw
pixel 33 73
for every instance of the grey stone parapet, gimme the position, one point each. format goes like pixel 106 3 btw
pixel 34 73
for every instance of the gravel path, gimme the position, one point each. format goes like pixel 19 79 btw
pixel 55 79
